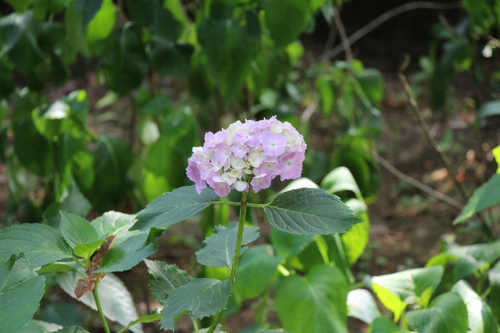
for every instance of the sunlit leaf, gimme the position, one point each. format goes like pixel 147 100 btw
pixel 201 297
pixel 102 23
pixel 309 212
pixel 112 223
pixel 480 318
pixel 362 305
pixel 413 286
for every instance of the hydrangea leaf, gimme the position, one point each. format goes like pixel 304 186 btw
pixel 201 297
pixel 21 290
pixel 315 302
pixel 308 211
pixel 164 278
pixel 481 320
pixel 41 244
pixel 255 271
pixel 218 250
pixel 447 313
pixel 116 300
pixel 77 230
pixel 173 207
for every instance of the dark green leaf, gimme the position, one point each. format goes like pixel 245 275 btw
pixel 164 278
pixel 21 290
pixel 124 63
pixel 31 148
pixel 229 49
pixel 19 37
pixel 19 5
pixel 218 249
pixel 73 329
pixel 315 302
pixel 112 159
pixel 255 271
pixel 286 20
pixel 373 85
pixel 41 244
pixel 288 245
pixel 413 286
pixel 309 212
pixel 486 196
pixel 169 58
pixel 384 325
pixel 116 300
pixel 88 9
pixel 494 280
pixel 447 313
pixel 173 207
pixel 439 86
pixel 180 130
pixel 152 14
pixel 75 42
pixel 201 297
pixel 481 320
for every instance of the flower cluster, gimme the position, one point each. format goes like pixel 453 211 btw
pixel 249 154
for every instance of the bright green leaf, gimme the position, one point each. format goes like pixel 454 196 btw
pixel 164 278
pixel 255 271
pixel 447 313
pixel 362 305
pixel 218 249
pixel 103 22
pixel 21 290
pixel 116 300
pixel 356 238
pixel 485 196
pixel 41 244
pixel 496 154
pixel 173 207
pixel 201 297
pixel 86 250
pixel 413 286
pixel 315 302
pixel 309 212
pixel 88 9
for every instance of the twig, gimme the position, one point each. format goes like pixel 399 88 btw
pixel 386 16
pixel 418 184
pixel 418 114
pixel 343 36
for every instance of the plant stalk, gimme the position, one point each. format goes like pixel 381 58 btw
pixel 237 251
pixel 98 305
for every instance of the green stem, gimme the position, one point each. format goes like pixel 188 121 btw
pixel 239 240
pixel 232 203
pixel 143 319
pixel 75 259
pixel 98 305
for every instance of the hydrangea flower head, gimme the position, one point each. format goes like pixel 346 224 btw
pixel 247 155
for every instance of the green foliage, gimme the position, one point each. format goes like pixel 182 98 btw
pixel 163 279
pixel 218 249
pixel 315 302
pixel 201 297
pixel 446 313
pixel 292 212
pixel 485 196
pixel 21 290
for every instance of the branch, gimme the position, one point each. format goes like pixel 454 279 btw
pixel 387 16
pixel 418 184
pixel 343 35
